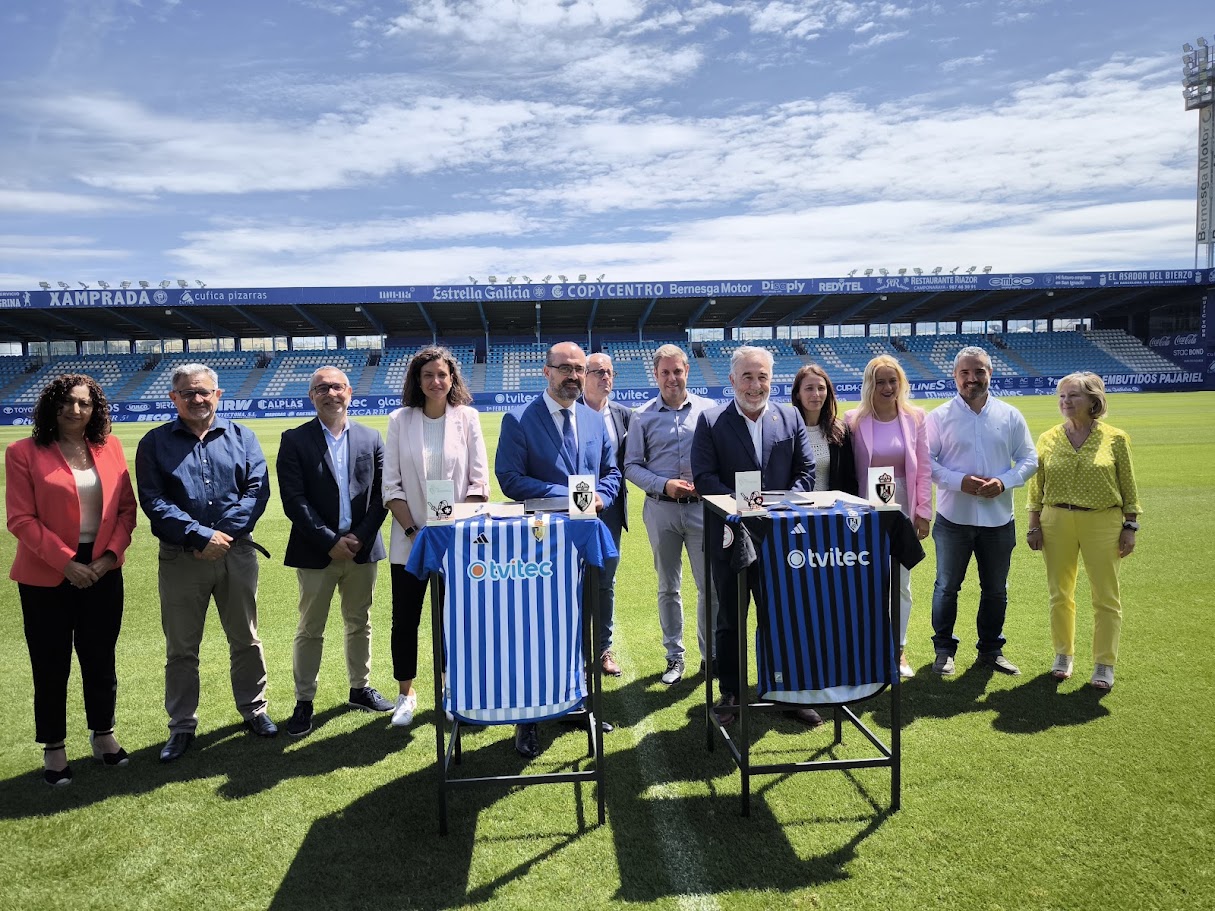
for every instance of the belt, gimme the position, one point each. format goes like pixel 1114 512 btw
pixel 663 498
pixel 1070 506
pixel 261 550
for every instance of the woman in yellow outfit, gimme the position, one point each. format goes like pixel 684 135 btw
pixel 1083 502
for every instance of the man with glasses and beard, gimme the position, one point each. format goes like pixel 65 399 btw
pixel 203 483
pixel 546 441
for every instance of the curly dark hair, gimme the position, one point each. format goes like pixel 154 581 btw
pixel 831 426
pixel 412 395
pixel 55 395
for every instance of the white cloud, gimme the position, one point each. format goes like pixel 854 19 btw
pixel 46 202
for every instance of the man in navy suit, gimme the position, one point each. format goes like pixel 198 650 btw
pixel 329 475
pixel 600 377
pixel 749 434
pixel 546 441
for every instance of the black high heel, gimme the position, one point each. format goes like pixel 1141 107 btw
pixel 57 778
pixel 116 759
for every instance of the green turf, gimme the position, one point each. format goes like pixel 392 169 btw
pixel 1017 793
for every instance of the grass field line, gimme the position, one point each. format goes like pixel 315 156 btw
pixel 677 842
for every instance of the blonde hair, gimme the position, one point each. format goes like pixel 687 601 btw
pixel 869 385
pixel 1091 385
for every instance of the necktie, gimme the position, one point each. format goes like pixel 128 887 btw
pixel 567 440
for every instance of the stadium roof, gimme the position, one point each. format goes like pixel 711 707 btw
pixel 572 309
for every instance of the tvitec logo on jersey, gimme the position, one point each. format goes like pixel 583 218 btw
pixel 832 557
pixel 493 571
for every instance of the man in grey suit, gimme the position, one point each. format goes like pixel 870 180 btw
pixel 329 475
pixel 596 394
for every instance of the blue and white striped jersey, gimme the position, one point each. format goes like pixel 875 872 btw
pixel 512 612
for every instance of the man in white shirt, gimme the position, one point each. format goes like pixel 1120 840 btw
pixel 980 449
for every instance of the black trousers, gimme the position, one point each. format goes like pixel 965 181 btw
pixel 58 618
pixel 408 598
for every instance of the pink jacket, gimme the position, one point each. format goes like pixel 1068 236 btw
pixel 916 464
pixel 44 509
pixel 464 461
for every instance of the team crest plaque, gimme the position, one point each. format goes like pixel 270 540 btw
pixel 582 496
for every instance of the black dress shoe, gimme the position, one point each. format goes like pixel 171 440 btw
pixel 177 746
pixel 527 740
pixel 261 725
pixel 808 717
pixel 726 701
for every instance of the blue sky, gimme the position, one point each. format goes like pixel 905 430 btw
pixel 302 142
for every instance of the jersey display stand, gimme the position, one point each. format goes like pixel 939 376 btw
pixel 825 637
pixel 514 602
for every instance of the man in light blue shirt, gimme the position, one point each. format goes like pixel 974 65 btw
pixel 658 459
pixel 980 449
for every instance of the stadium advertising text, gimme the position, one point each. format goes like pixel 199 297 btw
pixel 538 292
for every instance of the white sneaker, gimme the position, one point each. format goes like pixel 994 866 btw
pixel 402 715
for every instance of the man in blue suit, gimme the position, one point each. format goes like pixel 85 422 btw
pixel 329 475
pixel 546 441
pixel 749 434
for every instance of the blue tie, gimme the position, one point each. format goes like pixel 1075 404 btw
pixel 568 446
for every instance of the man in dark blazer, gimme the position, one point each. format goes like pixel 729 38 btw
pixel 749 434
pixel 600 377
pixel 329 475
pixel 541 444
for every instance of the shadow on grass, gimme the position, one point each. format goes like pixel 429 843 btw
pixel 1038 705
pixel 666 842
pixel 229 751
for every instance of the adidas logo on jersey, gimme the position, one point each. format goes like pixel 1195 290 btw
pixel 482 538
pixel 798 529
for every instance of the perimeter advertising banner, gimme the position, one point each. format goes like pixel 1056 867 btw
pixel 298 407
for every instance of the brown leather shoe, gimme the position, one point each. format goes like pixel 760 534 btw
pixel 610 666
pixel 808 717
pixel 727 718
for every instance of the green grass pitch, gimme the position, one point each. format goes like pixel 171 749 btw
pixel 1017 794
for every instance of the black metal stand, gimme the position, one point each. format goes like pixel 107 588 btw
pixel 448 746
pixel 740 750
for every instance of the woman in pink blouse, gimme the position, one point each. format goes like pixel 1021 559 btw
pixel 888 431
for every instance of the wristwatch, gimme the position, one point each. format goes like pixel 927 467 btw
pixel 409 532
pixel 1128 525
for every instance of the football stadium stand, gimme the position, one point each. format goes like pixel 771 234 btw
pixel 520 367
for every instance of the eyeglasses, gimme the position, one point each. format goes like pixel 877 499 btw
pixel 603 373
pixel 569 369
pixel 325 388
pixel 194 393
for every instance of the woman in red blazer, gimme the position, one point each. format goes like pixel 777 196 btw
pixel 72 510
pixel 887 430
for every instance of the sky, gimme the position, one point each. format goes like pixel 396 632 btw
pixel 347 142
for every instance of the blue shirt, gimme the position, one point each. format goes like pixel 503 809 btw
pixel 191 488
pixel 659 444
pixel 995 443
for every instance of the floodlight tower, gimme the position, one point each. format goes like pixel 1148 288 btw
pixel 1198 89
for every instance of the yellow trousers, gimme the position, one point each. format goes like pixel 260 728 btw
pixel 1068 535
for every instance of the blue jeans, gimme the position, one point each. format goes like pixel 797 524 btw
pixel 992 549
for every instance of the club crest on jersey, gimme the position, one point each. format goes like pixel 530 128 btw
pixel 854 522
pixel 540 526
pixel 728 537
pixel 885 487
pixel 583 495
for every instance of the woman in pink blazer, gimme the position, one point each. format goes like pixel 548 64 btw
pixel 71 507
pixel 436 436
pixel 887 430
